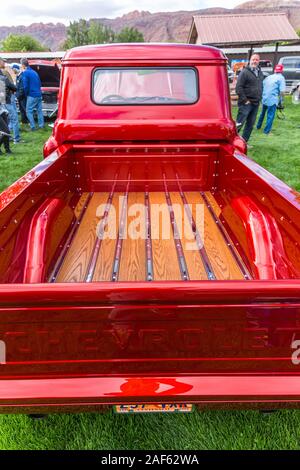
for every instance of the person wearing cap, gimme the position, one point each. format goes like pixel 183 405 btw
pixel 273 90
pixel 20 93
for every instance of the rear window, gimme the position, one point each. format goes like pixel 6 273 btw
pixel 145 85
pixel 292 62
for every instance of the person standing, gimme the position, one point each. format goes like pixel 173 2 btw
pixel 7 88
pixel 249 89
pixel 273 90
pixel 10 105
pixel 20 95
pixel 4 130
pixel 33 93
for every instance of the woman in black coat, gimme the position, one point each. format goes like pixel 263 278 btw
pixel 4 130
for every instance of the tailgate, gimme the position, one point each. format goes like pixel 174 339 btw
pixel 103 343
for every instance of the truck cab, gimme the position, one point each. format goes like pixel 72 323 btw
pixel 147 259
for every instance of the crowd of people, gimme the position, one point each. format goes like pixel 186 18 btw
pixel 253 88
pixel 19 84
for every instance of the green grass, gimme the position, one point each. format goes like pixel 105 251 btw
pixel 24 157
pixel 280 154
pixel 199 430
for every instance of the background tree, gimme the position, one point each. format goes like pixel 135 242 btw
pixel 21 43
pixel 77 34
pixel 130 35
pixel 82 32
pixel 100 34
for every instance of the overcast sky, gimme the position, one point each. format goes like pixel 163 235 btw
pixel 16 12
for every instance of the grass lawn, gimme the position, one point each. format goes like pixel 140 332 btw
pixel 280 154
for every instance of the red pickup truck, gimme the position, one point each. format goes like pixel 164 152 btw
pixel 147 260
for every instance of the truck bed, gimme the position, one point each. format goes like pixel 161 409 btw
pixel 88 258
pixel 56 220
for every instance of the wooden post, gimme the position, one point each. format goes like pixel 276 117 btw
pixel 250 52
pixel 275 55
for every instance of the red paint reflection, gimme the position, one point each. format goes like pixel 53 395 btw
pixel 152 386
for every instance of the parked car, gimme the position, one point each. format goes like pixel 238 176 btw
pixel 266 67
pixel 291 71
pixel 230 73
pixel 295 92
pixel 49 74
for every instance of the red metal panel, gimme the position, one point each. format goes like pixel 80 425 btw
pixel 44 237
pixel 195 171
pixel 242 177
pixel 158 52
pixel 160 389
pixel 264 240
pixel 80 294
pixel 149 339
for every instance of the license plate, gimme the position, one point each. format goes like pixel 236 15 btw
pixel 155 408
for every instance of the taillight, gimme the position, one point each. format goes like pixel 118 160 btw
pixel 240 144
pixel 50 146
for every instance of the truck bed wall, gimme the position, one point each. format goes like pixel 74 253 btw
pixel 240 179
pixel 58 183
pixel 123 329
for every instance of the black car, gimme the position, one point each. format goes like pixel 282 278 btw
pixel 49 74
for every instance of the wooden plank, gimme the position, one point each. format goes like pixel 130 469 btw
pixel 222 261
pixel 133 257
pixel 192 256
pixel 77 258
pixel 165 259
pixel 105 262
pixel 80 204
pixel 215 206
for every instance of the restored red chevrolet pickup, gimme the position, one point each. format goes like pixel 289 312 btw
pixel 147 259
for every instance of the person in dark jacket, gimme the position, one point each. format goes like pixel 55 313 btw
pixel 7 88
pixel 32 87
pixel 249 89
pixel 20 93
pixel 4 130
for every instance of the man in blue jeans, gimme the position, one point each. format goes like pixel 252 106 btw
pixel 273 89
pixel 249 89
pixel 33 93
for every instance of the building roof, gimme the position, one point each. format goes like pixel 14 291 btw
pixel 238 29
pixel 262 50
pixel 32 55
pixel 142 51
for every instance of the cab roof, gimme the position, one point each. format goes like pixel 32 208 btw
pixel 143 51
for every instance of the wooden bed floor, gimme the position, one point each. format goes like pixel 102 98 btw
pixel 195 248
